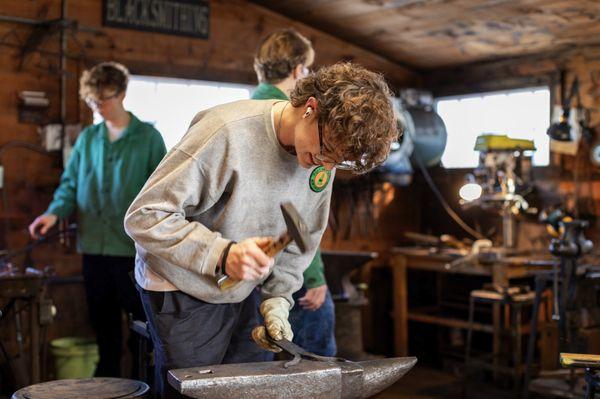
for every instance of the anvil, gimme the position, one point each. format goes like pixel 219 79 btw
pixel 324 378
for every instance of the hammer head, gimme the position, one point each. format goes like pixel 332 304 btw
pixel 296 227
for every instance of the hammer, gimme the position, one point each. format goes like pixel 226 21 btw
pixel 296 231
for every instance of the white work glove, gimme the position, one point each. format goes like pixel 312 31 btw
pixel 275 311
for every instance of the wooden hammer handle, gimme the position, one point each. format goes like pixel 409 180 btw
pixel 278 245
pixel 272 249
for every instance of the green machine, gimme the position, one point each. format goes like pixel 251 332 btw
pixel 501 180
pixel 500 142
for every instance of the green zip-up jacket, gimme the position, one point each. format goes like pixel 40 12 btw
pixel 101 180
pixel 314 276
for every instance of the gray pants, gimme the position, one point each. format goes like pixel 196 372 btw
pixel 188 332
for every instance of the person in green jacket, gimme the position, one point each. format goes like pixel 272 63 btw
pixel 109 164
pixel 283 58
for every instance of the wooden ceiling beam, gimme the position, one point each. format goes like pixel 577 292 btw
pixel 442 33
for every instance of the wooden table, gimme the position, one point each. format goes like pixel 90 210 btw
pixel 499 272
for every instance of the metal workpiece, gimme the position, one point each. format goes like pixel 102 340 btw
pixel 306 379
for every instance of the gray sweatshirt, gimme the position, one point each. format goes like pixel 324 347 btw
pixel 225 180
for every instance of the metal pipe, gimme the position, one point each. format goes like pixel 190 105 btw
pixel 64 23
pixel 63 73
pixel 19 20
pixel 508 227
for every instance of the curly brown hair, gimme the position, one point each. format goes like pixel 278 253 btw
pixel 354 110
pixel 279 53
pixel 104 76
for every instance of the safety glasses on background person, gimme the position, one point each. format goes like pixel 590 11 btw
pixel 96 103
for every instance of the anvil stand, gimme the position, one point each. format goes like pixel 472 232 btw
pixel 26 286
pixel 24 290
pixel 349 301
pixel 569 248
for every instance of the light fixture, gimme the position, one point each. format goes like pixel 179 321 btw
pixel 470 191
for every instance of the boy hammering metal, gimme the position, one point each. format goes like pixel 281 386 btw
pixel 212 204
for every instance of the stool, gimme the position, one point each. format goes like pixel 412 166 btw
pixel 515 298
pixel 140 328
pixel 591 364
pixel 106 388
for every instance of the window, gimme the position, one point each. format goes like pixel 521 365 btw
pixel 170 104
pixel 523 114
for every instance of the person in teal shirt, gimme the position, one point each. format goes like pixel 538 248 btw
pixel 281 60
pixel 109 164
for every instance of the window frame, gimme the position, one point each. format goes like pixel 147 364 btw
pixel 175 80
pixel 497 92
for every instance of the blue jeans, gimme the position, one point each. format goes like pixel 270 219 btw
pixel 314 329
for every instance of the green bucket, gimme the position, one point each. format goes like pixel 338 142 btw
pixel 74 357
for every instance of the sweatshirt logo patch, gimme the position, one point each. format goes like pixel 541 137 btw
pixel 319 178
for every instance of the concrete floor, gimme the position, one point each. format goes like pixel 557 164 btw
pixel 427 383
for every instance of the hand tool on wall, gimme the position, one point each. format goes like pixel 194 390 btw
pixel 372 187
pixel 351 201
pixel 332 222
pixel 297 231
pixel 364 207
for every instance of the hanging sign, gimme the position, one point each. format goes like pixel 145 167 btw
pixel 175 17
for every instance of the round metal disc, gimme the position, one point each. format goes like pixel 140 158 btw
pixel 89 388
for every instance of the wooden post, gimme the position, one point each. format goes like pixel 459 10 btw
pixel 400 312
pixel 499 277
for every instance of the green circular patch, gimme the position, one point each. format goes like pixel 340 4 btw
pixel 319 178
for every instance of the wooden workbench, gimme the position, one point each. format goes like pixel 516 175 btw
pixel 499 272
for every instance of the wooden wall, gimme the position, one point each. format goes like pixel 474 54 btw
pixel 236 27
pixel 543 69
pixel 30 179
pixel 415 207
